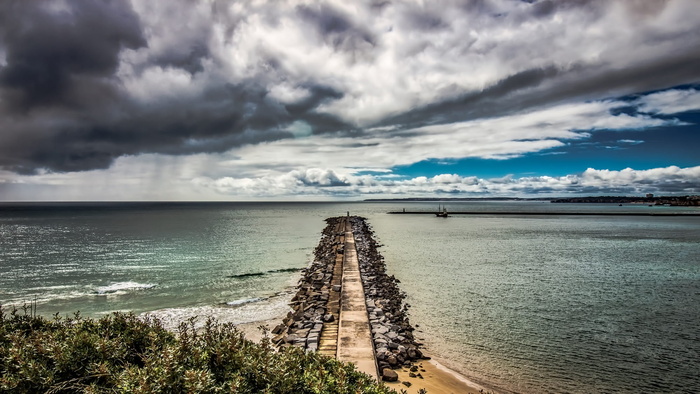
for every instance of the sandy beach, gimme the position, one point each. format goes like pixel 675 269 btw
pixel 252 331
pixel 436 379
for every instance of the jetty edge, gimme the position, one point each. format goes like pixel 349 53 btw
pixel 370 327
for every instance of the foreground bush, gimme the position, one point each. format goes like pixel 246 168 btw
pixel 123 353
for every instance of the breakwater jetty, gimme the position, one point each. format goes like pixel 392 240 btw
pixel 348 307
pixel 547 213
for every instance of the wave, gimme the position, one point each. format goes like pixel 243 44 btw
pixel 244 301
pixel 262 309
pixel 123 287
pixel 20 300
pixel 137 267
pixel 261 273
pixel 49 288
pixel 48 294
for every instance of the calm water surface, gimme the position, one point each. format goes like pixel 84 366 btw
pixel 527 304
pixel 555 304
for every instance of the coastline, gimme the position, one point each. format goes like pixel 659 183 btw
pixel 256 320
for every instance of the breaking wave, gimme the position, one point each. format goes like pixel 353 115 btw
pixel 252 310
pixel 123 287
pixel 244 301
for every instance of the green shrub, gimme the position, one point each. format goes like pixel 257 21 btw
pixel 124 353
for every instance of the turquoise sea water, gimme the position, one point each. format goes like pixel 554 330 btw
pixel 531 304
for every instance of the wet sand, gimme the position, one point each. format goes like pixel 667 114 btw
pixel 252 331
pixel 436 379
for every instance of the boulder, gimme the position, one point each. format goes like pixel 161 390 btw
pixel 278 329
pixel 389 375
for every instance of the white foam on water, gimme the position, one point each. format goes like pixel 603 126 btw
pixel 105 313
pixel 275 307
pixel 123 287
pixel 136 267
pixel 26 299
pixel 50 288
pixel 244 301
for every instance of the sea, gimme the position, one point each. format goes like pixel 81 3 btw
pixel 550 303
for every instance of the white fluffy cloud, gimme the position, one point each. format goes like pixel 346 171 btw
pixel 325 183
pixel 670 101
pixel 494 138
pixel 592 181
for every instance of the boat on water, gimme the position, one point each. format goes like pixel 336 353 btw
pixel 441 214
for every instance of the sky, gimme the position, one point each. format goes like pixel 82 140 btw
pixel 324 100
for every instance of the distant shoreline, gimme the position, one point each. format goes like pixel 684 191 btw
pixel 687 200
pixel 511 213
pixel 456 199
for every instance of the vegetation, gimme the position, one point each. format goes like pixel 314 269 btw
pixel 124 353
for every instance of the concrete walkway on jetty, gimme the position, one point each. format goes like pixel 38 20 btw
pixel 354 332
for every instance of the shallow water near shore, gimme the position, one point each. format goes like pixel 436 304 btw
pixel 524 304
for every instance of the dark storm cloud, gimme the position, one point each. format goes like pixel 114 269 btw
pixel 55 55
pixel 63 109
pixel 84 82
pixel 190 58
pixel 501 98
pixel 547 8
pixel 338 29
pixel 232 115
pixel 425 19
pixel 551 85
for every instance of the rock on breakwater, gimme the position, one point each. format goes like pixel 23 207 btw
pixel 302 327
pixel 316 307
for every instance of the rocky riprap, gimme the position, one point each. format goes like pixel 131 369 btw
pixel 392 334
pixel 302 327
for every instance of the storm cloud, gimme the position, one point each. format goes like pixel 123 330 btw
pixel 86 83
pixel 75 95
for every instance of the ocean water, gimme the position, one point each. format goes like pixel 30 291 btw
pixel 555 304
pixel 531 304
pixel 236 262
